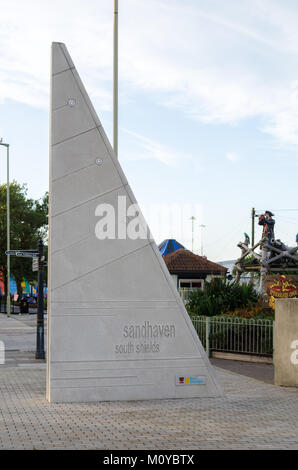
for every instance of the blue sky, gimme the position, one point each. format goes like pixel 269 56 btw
pixel 208 105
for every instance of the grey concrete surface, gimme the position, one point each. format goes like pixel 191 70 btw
pixel 18 332
pixel 23 359
pixel 286 342
pixel 118 329
pixel 250 415
pixel 262 372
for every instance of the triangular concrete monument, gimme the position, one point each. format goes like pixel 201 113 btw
pixel 117 329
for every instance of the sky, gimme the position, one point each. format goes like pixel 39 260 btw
pixel 208 106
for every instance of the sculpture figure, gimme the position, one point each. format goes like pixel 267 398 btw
pixel 268 223
pixel 275 256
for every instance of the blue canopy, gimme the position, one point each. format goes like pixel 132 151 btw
pixel 169 246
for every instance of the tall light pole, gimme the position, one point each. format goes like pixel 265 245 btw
pixel 115 81
pixel 202 226
pixel 8 229
pixel 253 214
pixel 192 231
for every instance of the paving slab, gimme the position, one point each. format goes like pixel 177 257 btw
pixel 18 332
pixel 251 415
pixel 259 371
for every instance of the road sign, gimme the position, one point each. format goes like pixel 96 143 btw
pixel 35 264
pixel 22 253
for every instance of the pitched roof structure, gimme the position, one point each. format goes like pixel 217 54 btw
pixel 186 261
pixel 169 246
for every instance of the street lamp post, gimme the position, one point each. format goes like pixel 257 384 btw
pixel 115 82
pixel 192 232
pixel 202 226
pixel 8 230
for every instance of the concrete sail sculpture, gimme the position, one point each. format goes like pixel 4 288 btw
pixel 117 328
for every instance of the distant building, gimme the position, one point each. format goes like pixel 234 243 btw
pixel 190 271
pixel 169 246
pixel 244 279
pixel 229 264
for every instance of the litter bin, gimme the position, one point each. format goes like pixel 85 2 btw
pixel 24 308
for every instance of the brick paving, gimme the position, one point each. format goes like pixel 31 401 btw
pixel 251 415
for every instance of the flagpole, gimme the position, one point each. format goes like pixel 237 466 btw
pixel 115 82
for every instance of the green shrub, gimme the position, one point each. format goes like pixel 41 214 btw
pixel 219 296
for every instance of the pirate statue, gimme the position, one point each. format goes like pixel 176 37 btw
pixel 268 225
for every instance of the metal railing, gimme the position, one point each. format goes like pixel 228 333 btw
pixel 236 335
pixel 185 291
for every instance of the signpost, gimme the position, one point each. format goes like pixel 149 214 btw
pixel 40 354
pixel 37 265
pixel 23 253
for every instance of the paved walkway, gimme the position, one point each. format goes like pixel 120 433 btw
pixel 18 332
pixel 251 415
pixel 254 370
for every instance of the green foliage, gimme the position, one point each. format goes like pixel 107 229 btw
pixel 219 296
pixel 251 261
pixel 257 312
pixel 28 223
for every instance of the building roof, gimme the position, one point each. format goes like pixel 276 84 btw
pixel 169 246
pixel 185 261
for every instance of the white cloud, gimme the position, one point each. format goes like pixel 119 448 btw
pixel 233 157
pixel 284 124
pixel 151 149
pixel 218 62
pixel 25 39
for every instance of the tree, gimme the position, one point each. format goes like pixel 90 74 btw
pixel 28 223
